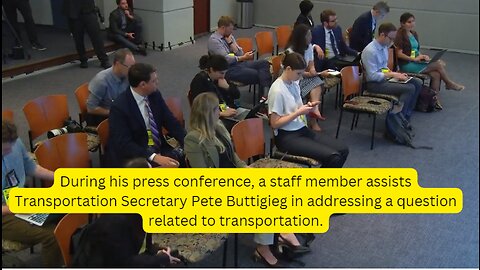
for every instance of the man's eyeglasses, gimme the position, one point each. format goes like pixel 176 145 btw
pixel 127 66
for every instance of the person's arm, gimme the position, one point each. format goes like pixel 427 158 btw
pixel 97 90
pixel 114 26
pixel 278 121
pixel 343 46
pixel 169 121
pixel 194 152
pixel 215 46
pixel 374 73
pixel 43 173
pixel 6 210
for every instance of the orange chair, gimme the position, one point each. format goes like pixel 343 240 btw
pixel 65 151
pixel 346 36
pixel 7 114
pixel 64 231
pixel 276 66
pixel 81 93
pixel 44 114
pixel 243 137
pixel 174 104
pixel 283 35
pixel 355 103
pixel 246 44
pixel 264 42
pixel 103 133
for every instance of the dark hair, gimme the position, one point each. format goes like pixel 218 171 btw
pixel 140 72
pixel 294 60
pixel 215 61
pixel 297 40
pixel 121 54
pixel 405 17
pixel 225 21
pixel 137 163
pixel 9 132
pixel 325 15
pixel 118 2
pixel 305 7
pixel 381 6
pixel 386 28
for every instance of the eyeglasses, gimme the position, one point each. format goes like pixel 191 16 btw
pixel 127 66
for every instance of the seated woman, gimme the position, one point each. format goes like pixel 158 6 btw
pixel 208 145
pixel 287 117
pixel 212 79
pixel 410 60
pixel 310 84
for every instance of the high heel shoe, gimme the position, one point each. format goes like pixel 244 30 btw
pixel 316 116
pixel 257 256
pixel 309 237
pixel 295 249
pixel 455 86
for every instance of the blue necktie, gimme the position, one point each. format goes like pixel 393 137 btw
pixel 153 125
pixel 334 45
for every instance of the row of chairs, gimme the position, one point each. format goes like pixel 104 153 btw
pixel 265 43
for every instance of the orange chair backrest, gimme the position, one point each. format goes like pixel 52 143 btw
pixel 347 35
pixel 46 113
pixel 103 132
pixel 283 35
pixel 7 114
pixel 248 138
pixel 174 104
pixel 246 44
pixel 264 43
pixel 64 231
pixel 277 65
pixel 65 151
pixel 81 93
pixel 351 83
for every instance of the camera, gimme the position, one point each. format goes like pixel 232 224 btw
pixel 70 126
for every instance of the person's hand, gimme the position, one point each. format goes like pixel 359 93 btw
pixel 128 14
pixel 425 57
pixel 320 53
pixel 223 83
pixel 165 162
pixel 228 39
pixel 400 76
pixel 304 109
pixel 247 56
pixel 131 35
pixel 173 260
pixel 324 74
pixel 312 73
pixel 313 103
pixel 228 112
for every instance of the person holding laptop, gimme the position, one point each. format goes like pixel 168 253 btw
pixel 411 60
pixel 16 165
pixel 375 60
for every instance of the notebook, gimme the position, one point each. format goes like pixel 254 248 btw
pixel 394 80
pixel 40 219
pixel 435 58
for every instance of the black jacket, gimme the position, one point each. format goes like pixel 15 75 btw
pixel 362 33
pixel 202 83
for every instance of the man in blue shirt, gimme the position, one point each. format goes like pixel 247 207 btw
pixel 222 42
pixel 16 165
pixel 375 59
pixel 107 85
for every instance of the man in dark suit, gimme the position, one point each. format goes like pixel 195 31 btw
pixel 82 17
pixel 363 29
pixel 136 120
pixel 126 28
pixel 329 37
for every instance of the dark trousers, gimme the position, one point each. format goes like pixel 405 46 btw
pixel 87 22
pixel 336 64
pixel 407 93
pixel 306 142
pixel 133 27
pixel 23 6
pixel 251 72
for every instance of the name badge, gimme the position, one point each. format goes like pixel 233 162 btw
pixel 150 138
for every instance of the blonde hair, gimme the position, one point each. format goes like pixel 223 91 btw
pixel 203 119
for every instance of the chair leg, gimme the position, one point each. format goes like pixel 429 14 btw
pixel 225 249
pixel 339 122
pixel 373 131
pixel 255 94
pixel 356 121
pixel 321 102
pixel 353 120
pixel 336 98
pixel 235 258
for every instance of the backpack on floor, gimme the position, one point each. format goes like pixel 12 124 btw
pixel 427 100
pixel 399 130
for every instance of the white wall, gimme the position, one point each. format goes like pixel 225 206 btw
pixel 220 8
pixel 441 23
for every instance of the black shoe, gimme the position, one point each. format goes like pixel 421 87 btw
pixel 295 249
pixel 257 256
pixel 37 46
pixel 105 65
pixel 83 64
pixel 309 237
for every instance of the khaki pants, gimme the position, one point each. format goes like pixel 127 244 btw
pixel 15 229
